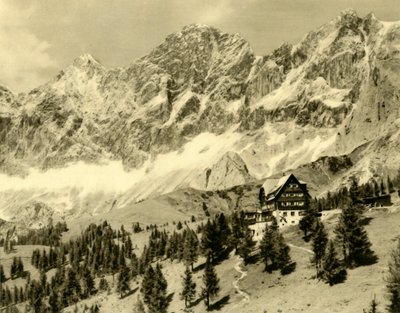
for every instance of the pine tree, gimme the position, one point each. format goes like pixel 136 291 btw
pixel 332 270
pixel 123 280
pixel 103 285
pixel 237 232
pixel 72 288
pixel 309 220
pixel 88 282
pixel 320 240
pixel 147 285
pixel 393 280
pixel 188 288
pixel 284 262
pixel 261 197
pixel 246 244
pixel 191 248
pixel 154 290
pixel 210 283
pixel 376 189
pixel 210 241
pixel 269 248
pixel 383 190
pixel 356 247
pixel 2 275
pixel 54 302
pixel 390 185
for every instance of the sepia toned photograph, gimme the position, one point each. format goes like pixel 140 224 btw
pixel 189 156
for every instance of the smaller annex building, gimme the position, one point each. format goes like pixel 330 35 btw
pixel 284 198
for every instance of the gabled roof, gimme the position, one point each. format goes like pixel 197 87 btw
pixel 273 186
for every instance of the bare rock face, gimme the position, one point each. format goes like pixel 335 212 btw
pixel 334 91
pixel 229 171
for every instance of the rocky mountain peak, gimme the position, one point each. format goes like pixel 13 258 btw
pixel 86 60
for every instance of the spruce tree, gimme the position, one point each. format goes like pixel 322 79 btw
pixel 210 241
pixel 188 288
pixel 383 190
pixel 160 291
pixel 191 248
pixel 308 221
pixel 269 247
pixel 154 290
pixel 88 282
pixel 123 280
pixel 320 240
pixel 2 274
pixel 237 230
pixel 390 185
pixel 393 280
pixel 332 270
pixel 210 283
pixel 246 244
pixel 350 233
pixel 261 197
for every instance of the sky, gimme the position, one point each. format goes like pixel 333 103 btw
pixel 38 38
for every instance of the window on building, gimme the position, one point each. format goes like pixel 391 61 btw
pixel 284 213
pixel 292 213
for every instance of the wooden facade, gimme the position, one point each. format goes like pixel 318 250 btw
pixel 286 199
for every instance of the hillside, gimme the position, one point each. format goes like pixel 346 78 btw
pixel 294 292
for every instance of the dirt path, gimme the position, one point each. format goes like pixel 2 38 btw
pixel 238 268
pixel 301 248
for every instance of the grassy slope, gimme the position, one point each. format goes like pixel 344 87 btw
pixel 292 293
pixel 297 292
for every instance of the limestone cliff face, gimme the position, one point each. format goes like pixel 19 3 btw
pixel 203 99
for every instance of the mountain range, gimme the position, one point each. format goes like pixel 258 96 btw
pixel 201 110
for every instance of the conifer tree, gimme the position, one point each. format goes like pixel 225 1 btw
pixel 123 280
pixel 246 244
pixel 261 197
pixel 223 230
pixel 320 240
pixel 383 190
pixel 188 288
pixel 210 283
pixel 376 189
pixel 103 284
pixel 236 233
pixel 2 274
pixel 160 291
pixel 309 220
pixel 54 302
pixel 72 288
pixel 332 270
pixel 356 247
pixel 154 290
pixel 88 282
pixel 269 248
pixel 393 280
pixel 210 241
pixel 390 185
pixel 191 248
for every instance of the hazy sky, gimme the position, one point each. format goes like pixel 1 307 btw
pixel 40 37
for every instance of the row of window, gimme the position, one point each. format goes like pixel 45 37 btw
pixel 294 203
pixel 293 213
pixel 296 194
pixel 293 185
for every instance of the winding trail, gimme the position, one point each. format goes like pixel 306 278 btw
pixel 246 296
pixel 300 248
